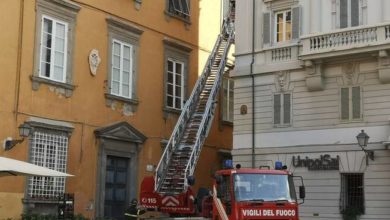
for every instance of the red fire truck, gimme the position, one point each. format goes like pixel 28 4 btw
pixel 237 193
pixel 240 193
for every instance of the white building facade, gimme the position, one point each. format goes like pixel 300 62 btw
pixel 309 76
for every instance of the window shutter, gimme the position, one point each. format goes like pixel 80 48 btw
pixel 277 109
pixel 287 109
pixel 231 100
pixel 356 102
pixel 296 20
pixel 345 103
pixel 354 13
pixel 133 84
pixel 267 28
pixel 343 13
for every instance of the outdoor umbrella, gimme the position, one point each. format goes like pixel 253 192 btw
pixel 12 167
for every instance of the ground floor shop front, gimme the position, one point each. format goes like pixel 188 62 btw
pixel 339 179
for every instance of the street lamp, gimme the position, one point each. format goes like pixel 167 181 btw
pixel 362 139
pixel 24 131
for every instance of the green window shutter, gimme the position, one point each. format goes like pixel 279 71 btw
pixel 267 28
pixel 354 13
pixel 356 108
pixel 343 13
pixel 277 109
pixel 345 103
pixel 296 20
pixel 287 109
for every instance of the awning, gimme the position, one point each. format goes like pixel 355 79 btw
pixel 12 167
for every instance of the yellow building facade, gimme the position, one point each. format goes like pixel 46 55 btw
pixel 100 84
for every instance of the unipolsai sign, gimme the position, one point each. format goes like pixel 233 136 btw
pixel 325 162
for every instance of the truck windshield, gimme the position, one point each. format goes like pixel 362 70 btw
pixel 263 187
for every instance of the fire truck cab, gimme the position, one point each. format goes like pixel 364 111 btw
pixel 256 194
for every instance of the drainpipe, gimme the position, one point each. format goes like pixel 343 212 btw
pixel 253 83
pixel 19 60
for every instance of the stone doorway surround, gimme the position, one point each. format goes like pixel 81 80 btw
pixel 122 140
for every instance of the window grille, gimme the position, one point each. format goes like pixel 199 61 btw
pixel 352 193
pixel 179 7
pixel 48 150
pixel 175 84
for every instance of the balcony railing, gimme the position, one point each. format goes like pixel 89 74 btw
pixel 347 40
pixel 281 53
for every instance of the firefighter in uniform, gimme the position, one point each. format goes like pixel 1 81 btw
pixel 132 212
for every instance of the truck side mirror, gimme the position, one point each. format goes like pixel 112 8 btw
pixel 218 179
pixel 302 192
pixel 219 192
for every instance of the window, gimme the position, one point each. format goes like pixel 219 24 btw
pixel 228 97
pixel 121 71
pixel 352 193
pixel 349 13
pixel 176 59
pixel 48 150
pixel 123 47
pixel 53 49
pixel 180 8
pixel 351 103
pixel 283 26
pixel 55 25
pixel 282 109
pixel 175 84
pixel 263 187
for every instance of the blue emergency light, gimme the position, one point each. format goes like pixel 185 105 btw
pixel 278 165
pixel 228 164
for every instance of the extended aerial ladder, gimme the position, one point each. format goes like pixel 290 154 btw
pixel 175 170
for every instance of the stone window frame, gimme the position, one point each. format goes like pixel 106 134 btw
pixel 269 22
pixel 66 12
pixel 53 127
pixel 180 52
pixel 130 34
pixel 179 15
